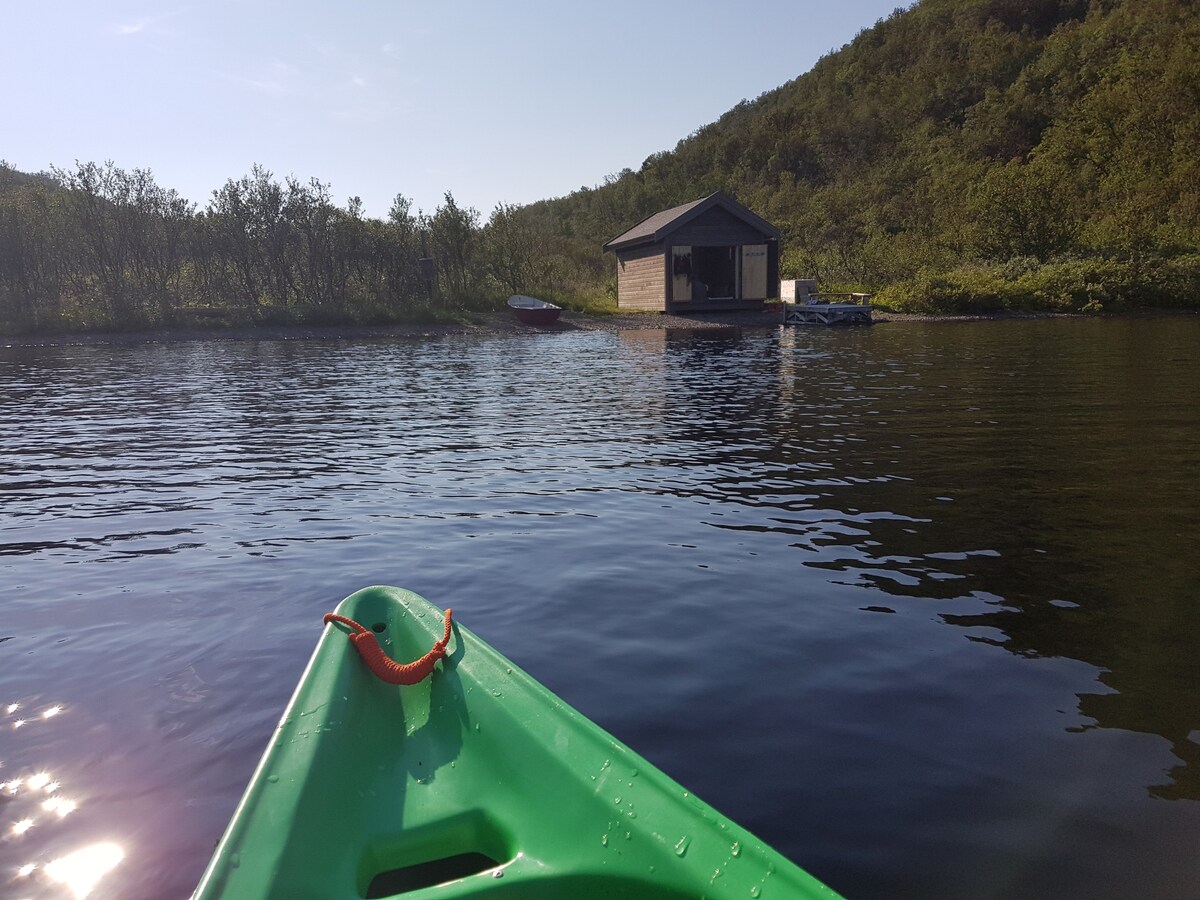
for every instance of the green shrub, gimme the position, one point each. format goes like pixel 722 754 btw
pixel 1071 284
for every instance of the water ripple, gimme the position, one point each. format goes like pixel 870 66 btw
pixel 623 514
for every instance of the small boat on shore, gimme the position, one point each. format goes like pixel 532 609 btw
pixel 533 311
pixel 459 775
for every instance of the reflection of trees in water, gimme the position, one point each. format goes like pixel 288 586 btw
pixel 1147 651
pixel 1048 482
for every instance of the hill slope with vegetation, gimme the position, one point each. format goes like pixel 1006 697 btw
pixel 959 155
pixel 963 154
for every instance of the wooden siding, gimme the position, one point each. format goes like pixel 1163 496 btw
pixel 716 227
pixel 642 279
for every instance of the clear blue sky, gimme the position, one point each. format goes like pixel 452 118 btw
pixel 501 101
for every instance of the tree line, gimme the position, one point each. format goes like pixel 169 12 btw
pixel 101 247
pixel 957 155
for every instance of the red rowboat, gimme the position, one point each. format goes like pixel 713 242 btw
pixel 533 311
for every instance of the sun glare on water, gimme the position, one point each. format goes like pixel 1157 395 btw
pixel 38 793
pixel 82 870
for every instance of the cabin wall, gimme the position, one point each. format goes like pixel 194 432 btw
pixel 642 279
pixel 716 227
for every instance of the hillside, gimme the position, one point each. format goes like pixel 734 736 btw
pixel 959 132
pixel 960 155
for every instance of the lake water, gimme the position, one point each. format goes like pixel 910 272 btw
pixel 917 604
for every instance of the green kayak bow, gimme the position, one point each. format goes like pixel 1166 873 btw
pixel 475 782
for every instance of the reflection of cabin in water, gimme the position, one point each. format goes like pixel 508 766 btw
pixel 709 254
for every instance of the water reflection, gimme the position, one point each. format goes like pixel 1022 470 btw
pixel 1013 485
pixel 36 800
pixel 1061 507
pixel 82 870
pixel 968 548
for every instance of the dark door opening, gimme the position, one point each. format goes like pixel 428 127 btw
pixel 714 273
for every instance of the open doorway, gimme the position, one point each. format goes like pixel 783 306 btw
pixel 714 273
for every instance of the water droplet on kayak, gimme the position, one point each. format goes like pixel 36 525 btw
pixel 633 773
pixel 605 766
pixel 496 692
pixel 682 847
pixel 736 849
pixel 499 873
pixel 629 835
pixel 617 800
pixel 604 840
pixel 631 814
pixel 652 870
pixel 508 670
pixel 235 860
pixel 273 778
pixel 476 727
pixel 755 891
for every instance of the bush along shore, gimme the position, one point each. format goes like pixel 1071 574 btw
pixel 100 249
pixel 1079 285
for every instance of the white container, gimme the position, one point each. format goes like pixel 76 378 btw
pixel 797 290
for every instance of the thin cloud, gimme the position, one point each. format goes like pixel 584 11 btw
pixel 412 35
pixel 275 77
pixel 144 25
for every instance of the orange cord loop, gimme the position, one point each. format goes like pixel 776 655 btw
pixel 380 664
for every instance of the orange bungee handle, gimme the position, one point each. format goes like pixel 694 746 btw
pixel 380 664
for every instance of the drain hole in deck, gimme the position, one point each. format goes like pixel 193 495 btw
pixel 423 875
pixel 378 627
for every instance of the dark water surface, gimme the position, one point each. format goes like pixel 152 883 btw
pixel 917 604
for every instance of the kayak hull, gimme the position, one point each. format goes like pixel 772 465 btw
pixel 476 782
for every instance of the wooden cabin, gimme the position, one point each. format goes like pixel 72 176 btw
pixel 710 254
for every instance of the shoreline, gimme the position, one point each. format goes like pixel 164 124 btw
pixel 502 323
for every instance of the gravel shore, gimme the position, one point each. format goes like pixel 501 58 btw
pixel 496 323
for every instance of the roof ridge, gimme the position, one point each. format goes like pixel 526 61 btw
pixel 650 228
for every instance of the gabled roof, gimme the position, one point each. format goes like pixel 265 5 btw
pixel 653 229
